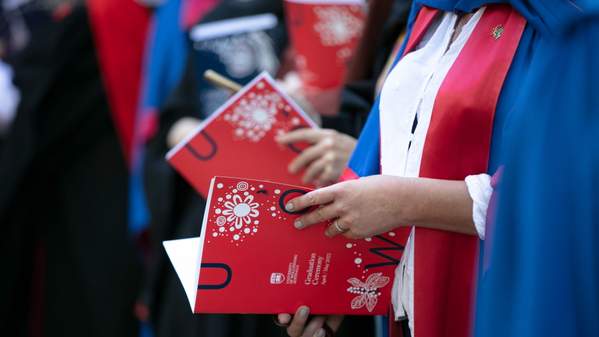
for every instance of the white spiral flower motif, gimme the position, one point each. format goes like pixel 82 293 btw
pixel 336 26
pixel 242 186
pixel 221 220
pixel 254 116
pixel 241 211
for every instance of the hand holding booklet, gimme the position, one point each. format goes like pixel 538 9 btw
pixel 251 259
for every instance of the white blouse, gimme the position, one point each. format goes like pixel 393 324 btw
pixel 406 104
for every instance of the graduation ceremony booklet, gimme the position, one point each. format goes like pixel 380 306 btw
pixel 324 35
pixel 250 258
pixel 239 138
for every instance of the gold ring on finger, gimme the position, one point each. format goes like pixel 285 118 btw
pixel 338 227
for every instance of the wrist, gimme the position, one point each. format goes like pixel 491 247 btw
pixel 404 194
pixel 439 204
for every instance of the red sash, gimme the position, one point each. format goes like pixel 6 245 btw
pixel 120 32
pixel 457 145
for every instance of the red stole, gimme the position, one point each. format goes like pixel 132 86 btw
pixel 457 145
pixel 120 32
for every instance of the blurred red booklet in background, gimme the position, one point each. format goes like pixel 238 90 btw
pixel 250 258
pixel 239 138
pixel 324 35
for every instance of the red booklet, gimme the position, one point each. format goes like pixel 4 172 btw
pixel 324 34
pixel 239 138
pixel 250 258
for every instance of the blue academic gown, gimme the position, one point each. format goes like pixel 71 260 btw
pixel 544 17
pixel 541 274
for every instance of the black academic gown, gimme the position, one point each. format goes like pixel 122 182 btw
pixel 69 266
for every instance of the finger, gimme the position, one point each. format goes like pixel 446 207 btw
pixel 322 332
pixel 314 198
pixel 352 236
pixel 315 169
pixel 315 324
pixel 328 176
pixel 296 327
pixel 334 322
pixel 309 155
pixel 310 135
pixel 320 214
pixel 335 229
pixel 284 319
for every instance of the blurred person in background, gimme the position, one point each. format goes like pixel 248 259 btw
pixel 72 267
pixel 324 162
pixel 18 18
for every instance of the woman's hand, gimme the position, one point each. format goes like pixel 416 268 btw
pixel 377 204
pixel 360 208
pixel 325 160
pixel 302 325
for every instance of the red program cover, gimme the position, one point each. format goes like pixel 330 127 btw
pixel 252 259
pixel 324 34
pixel 239 138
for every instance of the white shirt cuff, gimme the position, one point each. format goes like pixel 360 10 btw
pixel 480 190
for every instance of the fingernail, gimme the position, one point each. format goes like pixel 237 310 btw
pixel 303 313
pixel 284 319
pixel 298 224
pixel 289 207
pixel 320 333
